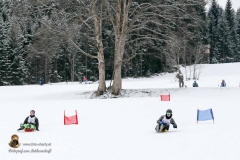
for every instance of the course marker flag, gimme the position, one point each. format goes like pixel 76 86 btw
pixel 165 97
pixel 204 115
pixel 71 119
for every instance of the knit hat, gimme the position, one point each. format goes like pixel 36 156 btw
pixel 32 111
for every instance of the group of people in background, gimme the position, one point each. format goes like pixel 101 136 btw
pixel 195 84
pixel 41 81
pixel 179 76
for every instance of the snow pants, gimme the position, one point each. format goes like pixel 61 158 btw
pixel 181 83
pixel 31 126
pixel 165 127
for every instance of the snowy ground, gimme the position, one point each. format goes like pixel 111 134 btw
pixel 123 128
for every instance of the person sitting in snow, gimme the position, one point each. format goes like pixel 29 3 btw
pixel 223 84
pixel 195 84
pixel 164 122
pixel 31 122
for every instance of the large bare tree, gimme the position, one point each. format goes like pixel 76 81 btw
pixel 135 23
pixel 138 22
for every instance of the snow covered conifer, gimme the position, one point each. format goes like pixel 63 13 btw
pixel 213 23
pixel 231 35
pixel 238 34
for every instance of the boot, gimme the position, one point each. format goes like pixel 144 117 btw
pixel 165 130
pixel 161 128
pixel 157 128
pixel 21 127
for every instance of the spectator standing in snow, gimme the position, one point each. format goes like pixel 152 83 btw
pixel 180 79
pixel 41 81
pixel 223 83
pixel 195 84
pixel 85 80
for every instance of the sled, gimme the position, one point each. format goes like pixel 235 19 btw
pixel 28 130
pixel 162 131
pixel 165 130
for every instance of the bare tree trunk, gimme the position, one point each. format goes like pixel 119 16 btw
pixel 102 72
pixel 184 57
pixel 194 71
pixel 46 69
pixel 119 50
pixel 101 61
pixel 101 67
pixel 73 67
pixel 120 23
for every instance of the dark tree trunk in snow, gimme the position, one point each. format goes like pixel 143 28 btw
pixel 120 25
pixel 101 60
pixel 119 50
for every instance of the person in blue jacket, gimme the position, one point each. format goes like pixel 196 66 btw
pixel 41 81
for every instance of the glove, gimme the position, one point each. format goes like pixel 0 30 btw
pixel 174 126
pixel 161 122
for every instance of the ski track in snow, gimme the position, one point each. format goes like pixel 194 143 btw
pixel 123 128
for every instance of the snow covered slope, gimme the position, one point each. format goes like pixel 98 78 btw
pixel 123 129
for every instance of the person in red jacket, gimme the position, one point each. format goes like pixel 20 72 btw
pixel 85 80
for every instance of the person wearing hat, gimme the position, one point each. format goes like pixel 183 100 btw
pixel 195 84
pixel 31 122
pixel 164 122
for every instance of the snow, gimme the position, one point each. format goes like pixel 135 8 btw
pixel 123 128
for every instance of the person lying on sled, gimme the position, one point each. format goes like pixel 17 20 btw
pixel 31 122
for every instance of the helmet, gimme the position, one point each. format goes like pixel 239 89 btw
pixel 169 111
pixel 32 111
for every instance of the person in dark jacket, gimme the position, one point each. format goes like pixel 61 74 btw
pixel 223 83
pixel 41 81
pixel 195 84
pixel 164 122
pixel 31 122
pixel 180 79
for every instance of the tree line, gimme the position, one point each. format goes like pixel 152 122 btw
pixel 224 33
pixel 110 39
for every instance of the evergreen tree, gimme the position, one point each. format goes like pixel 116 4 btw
pixel 7 52
pixel 213 23
pixel 231 47
pixel 1 44
pixel 221 44
pixel 238 34
pixel 20 64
